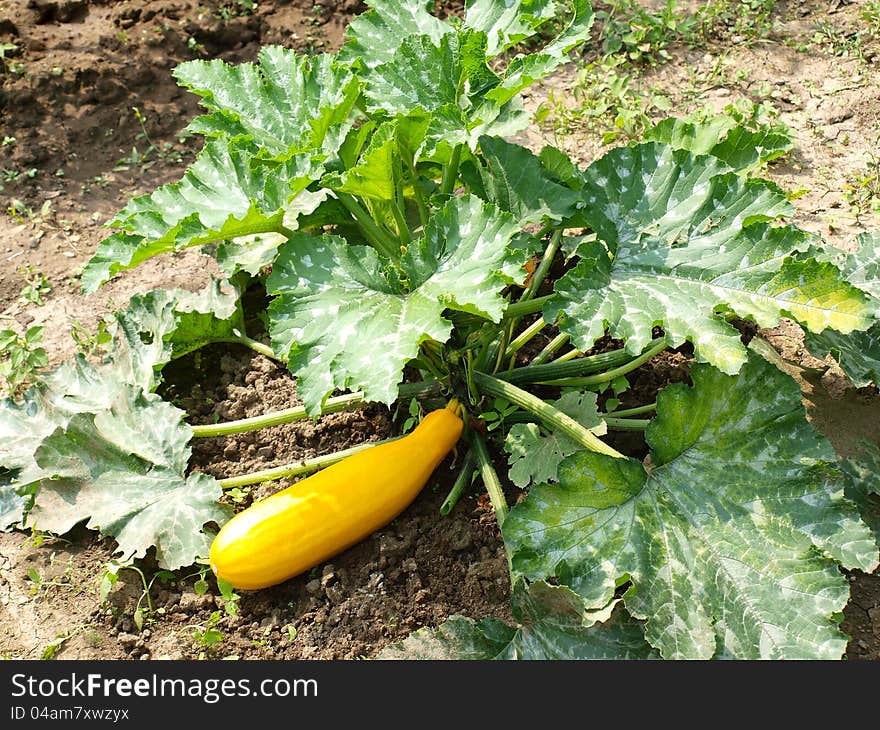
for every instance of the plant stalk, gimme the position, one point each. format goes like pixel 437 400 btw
pixel 556 369
pixel 608 376
pixel 450 174
pixel 490 478
pixel 462 481
pixel 543 267
pixel 532 306
pixel 627 424
pixel 298 413
pixel 254 345
pixel 529 333
pixel 550 349
pixel 297 468
pixel 638 411
pixel 375 235
pixel 551 417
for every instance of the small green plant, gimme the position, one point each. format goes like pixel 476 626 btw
pixel 21 359
pixel 862 190
pixel 749 20
pixel 235 9
pixel 207 635
pixel 89 343
pixel 837 41
pixel 37 287
pixel 641 35
pixel 143 610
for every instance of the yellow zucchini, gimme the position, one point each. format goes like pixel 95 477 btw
pixel 297 528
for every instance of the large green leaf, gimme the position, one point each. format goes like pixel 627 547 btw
pixel 517 181
pixel 91 437
pixel 286 101
pixel 534 455
pixel 857 353
pixel 123 471
pixel 374 37
pixel 331 295
pixel 678 240
pixel 741 148
pixel 731 531
pixel 862 470
pixel 509 22
pixel 552 625
pixel 227 192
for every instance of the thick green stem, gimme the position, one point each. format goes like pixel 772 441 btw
pixel 462 482
pixel 297 468
pixel 570 355
pixel 550 349
pixel 254 345
pixel 556 369
pixel 610 375
pixel 551 417
pixel 543 267
pixel 532 306
pixel 490 478
pixel 298 413
pixel 638 411
pixel 627 424
pixel 529 333
pixel 450 174
pixel 380 240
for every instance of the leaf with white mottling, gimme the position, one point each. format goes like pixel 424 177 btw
pixel 552 625
pixel 286 100
pixel 534 455
pixel 731 532
pixel 509 22
pixel 741 148
pixel 373 37
pixel 226 193
pixel 862 471
pixel 123 471
pixel 330 295
pixel 679 239
pixel 857 353
pixel 515 180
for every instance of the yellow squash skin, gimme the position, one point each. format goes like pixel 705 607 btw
pixel 297 528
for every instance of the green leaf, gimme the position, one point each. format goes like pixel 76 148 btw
pixel 862 471
pixel 507 23
pixel 226 193
pixel 740 148
pixel 285 102
pixel 123 471
pixel 731 532
pixel 516 180
pixel 680 239
pixel 857 353
pixel 552 625
pixel 374 37
pixel 534 456
pixel 56 415
pixel 329 293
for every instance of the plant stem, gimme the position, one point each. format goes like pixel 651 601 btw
pixel 254 345
pixel 634 411
pixel 297 468
pixel 627 424
pixel 551 417
pixel 532 306
pixel 556 369
pixel 490 478
pixel 608 376
pixel 462 481
pixel 450 174
pixel 298 413
pixel 380 240
pixel 543 267
pixel 525 336
pixel 550 349
pixel 570 355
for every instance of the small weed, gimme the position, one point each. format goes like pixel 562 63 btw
pixel 36 287
pixel 862 190
pixel 207 635
pixel 748 20
pixel 88 343
pixel 236 9
pixel 642 36
pixel 836 41
pixel 21 359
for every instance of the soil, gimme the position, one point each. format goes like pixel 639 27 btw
pixel 73 73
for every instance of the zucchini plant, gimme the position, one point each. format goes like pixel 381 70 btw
pixel 410 249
